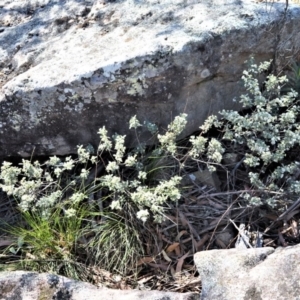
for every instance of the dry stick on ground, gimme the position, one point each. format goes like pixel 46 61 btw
pixel 239 192
pixel 283 215
pixel 221 222
pixel 242 234
pixel 221 218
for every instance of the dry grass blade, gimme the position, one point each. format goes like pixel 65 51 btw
pixel 220 244
pixel 180 234
pixel 282 240
pixel 145 260
pixel 182 218
pixel 162 266
pixel 295 229
pixel 180 262
pixel 201 243
pixel 172 247
pixel 166 257
pixel 216 204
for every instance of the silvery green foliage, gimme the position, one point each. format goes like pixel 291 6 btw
pixel 269 130
pixel 266 133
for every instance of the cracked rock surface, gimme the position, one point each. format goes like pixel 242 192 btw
pixel 69 67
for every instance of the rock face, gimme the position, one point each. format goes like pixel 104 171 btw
pixel 30 285
pixel 69 67
pixel 260 273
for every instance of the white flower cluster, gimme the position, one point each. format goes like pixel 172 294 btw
pixel 209 122
pixel 134 123
pixel 168 140
pixel 215 150
pixel 198 145
pixel 119 147
pixel 105 142
pixel 38 186
pixel 155 198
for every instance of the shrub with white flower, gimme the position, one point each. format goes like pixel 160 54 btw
pixel 267 132
pixel 136 189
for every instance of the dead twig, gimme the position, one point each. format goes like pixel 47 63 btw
pixel 283 215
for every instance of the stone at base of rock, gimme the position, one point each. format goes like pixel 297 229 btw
pixel 258 273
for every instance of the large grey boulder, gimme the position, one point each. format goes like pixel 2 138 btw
pixel 21 285
pixel 258 273
pixel 69 67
